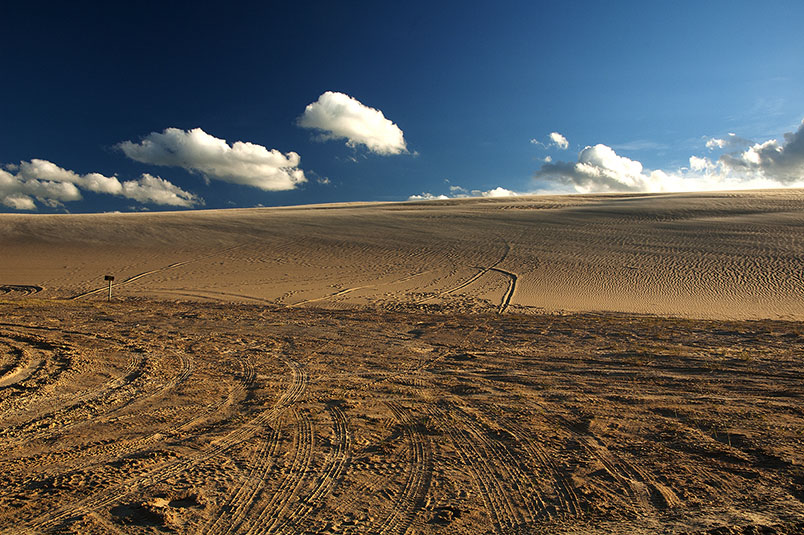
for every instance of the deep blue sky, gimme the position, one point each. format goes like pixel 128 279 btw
pixel 469 84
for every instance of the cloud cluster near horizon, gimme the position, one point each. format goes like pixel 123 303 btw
pixel 461 193
pixel 761 165
pixel 339 116
pixel 43 181
pixel 196 151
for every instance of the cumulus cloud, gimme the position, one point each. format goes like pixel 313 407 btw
pixel 771 160
pixel 762 165
pixel 559 140
pixel 339 116
pixel 240 163
pixel 41 170
pixel 498 192
pixel 600 169
pixel 157 190
pixel 51 185
pixel 701 164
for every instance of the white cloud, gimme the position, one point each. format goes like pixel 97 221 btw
pixel 19 191
pixel 559 140
pixel 556 140
pixel 498 192
pixel 701 164
pixel 241 163
pixel 763 165
pixel 457 192
pixel 38 169
pixel 18 201
pixel 157 190
pixel 51 185
pixel 601 169
pixel 339 116
pixel 427 197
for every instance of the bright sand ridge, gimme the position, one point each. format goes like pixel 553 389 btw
pixel 709 255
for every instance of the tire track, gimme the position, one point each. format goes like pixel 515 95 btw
pixel 13 356
pixel 472 279
pixel 565 491
pixel 505 517
pixel 25 368
pixel 518 477
pixel 410 499
pixel 80 403
pixel 629 476
pixel 174 265
pixel 106 497
pixel 350 290
pixel 121 448
pixel 24 289
pixel 233 513
pixel 332 474
pixel 272 513
pixel 635 482
pixel 509 293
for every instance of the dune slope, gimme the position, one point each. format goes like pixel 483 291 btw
pixel 707 255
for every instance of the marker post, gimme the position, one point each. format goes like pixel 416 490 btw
pixel 109 278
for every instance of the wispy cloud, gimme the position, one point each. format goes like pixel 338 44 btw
pixel 23 185
pixel 196 151
pixel 730 142
pixel 640 144
pixel 556 140
pixel 339 116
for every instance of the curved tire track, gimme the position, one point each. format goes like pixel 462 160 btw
pixel 417 480
pixel 106 497
pixel 332 473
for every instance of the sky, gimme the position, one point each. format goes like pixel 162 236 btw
pixel 177 105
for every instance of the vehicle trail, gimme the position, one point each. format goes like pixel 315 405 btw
pixel 109 495
pixel 174 265
pixel 331 475
pixel 350 290
pixel 417 480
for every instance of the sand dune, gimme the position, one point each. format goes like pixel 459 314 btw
pixel 708 255
pixel 237 384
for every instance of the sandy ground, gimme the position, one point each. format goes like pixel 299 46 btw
pixel 572 365
pixel 149 417
pixel 716 255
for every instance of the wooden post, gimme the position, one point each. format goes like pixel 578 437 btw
pixel 110 279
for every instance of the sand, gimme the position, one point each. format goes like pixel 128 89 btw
pixel 713 255
pixel 570 365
